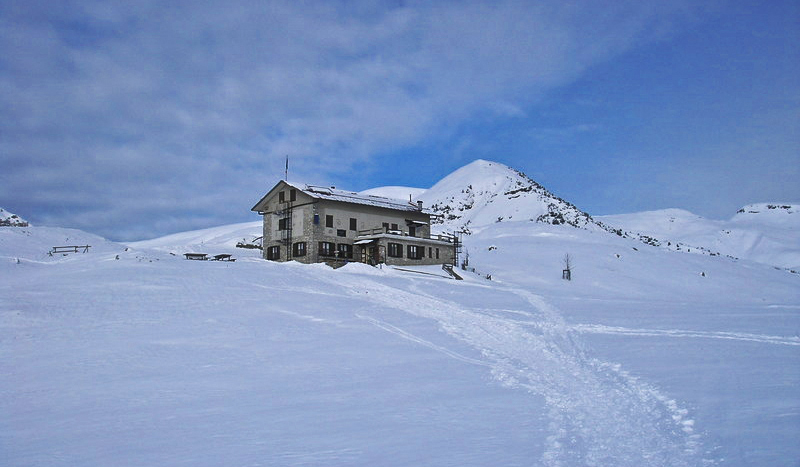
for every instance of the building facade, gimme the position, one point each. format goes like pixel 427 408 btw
pixel 313 224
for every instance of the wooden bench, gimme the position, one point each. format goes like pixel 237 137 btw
pixel 69 249
pixel 196 256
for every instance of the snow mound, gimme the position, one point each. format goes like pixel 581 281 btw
pixel 484 192
pixel 9 219
pixel 219 239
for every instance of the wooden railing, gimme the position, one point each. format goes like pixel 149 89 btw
pixel 383 230
pixel 70 249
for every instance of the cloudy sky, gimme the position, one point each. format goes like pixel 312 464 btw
pixel 137 119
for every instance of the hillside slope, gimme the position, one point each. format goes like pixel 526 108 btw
pixel 768 232
pixel 222 239
pixel 647 357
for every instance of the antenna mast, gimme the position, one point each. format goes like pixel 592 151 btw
pixel 286 172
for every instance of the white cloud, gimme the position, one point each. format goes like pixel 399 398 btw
pixel 119 106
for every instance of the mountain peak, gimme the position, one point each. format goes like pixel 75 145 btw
pixel 485 192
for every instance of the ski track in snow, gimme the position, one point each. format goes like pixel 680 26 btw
pixel 407 335
pixel 739 336
pixel 599 414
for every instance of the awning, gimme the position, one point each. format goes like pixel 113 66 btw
pixel 410 222
pixel 364 242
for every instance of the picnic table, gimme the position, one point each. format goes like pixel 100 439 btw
pixel 196 256
pixel 204 257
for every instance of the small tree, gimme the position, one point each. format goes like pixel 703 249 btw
pixel 567 272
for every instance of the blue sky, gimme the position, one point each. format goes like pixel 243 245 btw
pixel 134 120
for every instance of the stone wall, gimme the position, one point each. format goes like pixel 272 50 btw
pixel 309 225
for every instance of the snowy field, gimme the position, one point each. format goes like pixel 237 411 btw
pixel 132 356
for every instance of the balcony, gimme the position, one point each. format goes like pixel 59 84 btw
pixel 380 231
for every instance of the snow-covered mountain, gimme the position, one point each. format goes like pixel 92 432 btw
pixel 768 233
pixel 484 192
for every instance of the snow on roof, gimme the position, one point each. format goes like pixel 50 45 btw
pixel 333 194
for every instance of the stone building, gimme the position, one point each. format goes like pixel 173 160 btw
pixel 313 224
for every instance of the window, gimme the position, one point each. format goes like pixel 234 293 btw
pixel 293 195
pixel 282 224
pixel 316 219
pixel 385 226
pixel 341 233
pixel 282 197
pixel 353 224
pixel 437 253
pixel 345 251
pixel 430 252
pixel 274 253
pixel 326 248
pixel 415 252
pixel 329 221
pixel 412 231
pixel 395 250
pixel 394 226
pixel 299 249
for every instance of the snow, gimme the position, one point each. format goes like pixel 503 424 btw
pixel 221 239
pixel 9 219
pixel 131 355
pixel 334 194
pixel 395 192
pixel 767 232
pixel 483 193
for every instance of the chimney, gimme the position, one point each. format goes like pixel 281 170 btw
pixel 419 205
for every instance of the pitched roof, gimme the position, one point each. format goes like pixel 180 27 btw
pixel 333 194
